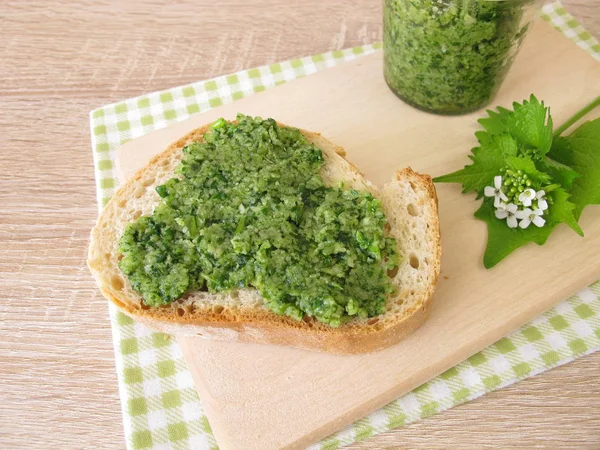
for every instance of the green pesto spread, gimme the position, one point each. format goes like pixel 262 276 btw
pixel 450 56
pixel 248 208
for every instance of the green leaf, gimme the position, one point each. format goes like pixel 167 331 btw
pixel 494 123
pixel 502 240
pixel 504 143
pixel 551 187
pixel 487 163
pixel 559 172
pixel 562 210
pixel 529 123
pixel 581 151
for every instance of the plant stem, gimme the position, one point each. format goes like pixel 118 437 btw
pixel 578 115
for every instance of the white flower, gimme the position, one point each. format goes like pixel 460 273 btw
pixel 541 200
pixel 527 196
pixel 528 216
pixel 508 212
pixel 496 191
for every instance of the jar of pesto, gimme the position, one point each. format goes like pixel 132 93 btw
pixel 451 56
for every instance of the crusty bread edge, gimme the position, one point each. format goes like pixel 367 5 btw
pixel 284 330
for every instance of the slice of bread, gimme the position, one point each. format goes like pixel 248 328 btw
pixel 410 205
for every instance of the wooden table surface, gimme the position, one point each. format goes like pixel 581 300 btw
pixel 59 60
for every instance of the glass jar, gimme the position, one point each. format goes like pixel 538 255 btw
pixel 451 56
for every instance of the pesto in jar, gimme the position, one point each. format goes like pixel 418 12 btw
pixel 451 56
pixel 249 209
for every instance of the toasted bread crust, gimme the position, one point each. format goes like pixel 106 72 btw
pixel 259 325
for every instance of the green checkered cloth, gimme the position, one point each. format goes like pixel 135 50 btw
pixel 160 406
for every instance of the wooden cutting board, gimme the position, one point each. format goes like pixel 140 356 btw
pixel 267 397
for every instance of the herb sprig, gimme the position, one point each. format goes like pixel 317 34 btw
pixel 531 178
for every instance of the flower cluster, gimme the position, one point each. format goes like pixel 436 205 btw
pixel 516 201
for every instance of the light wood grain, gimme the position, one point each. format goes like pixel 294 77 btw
pixel 58 60
pixel 292 398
